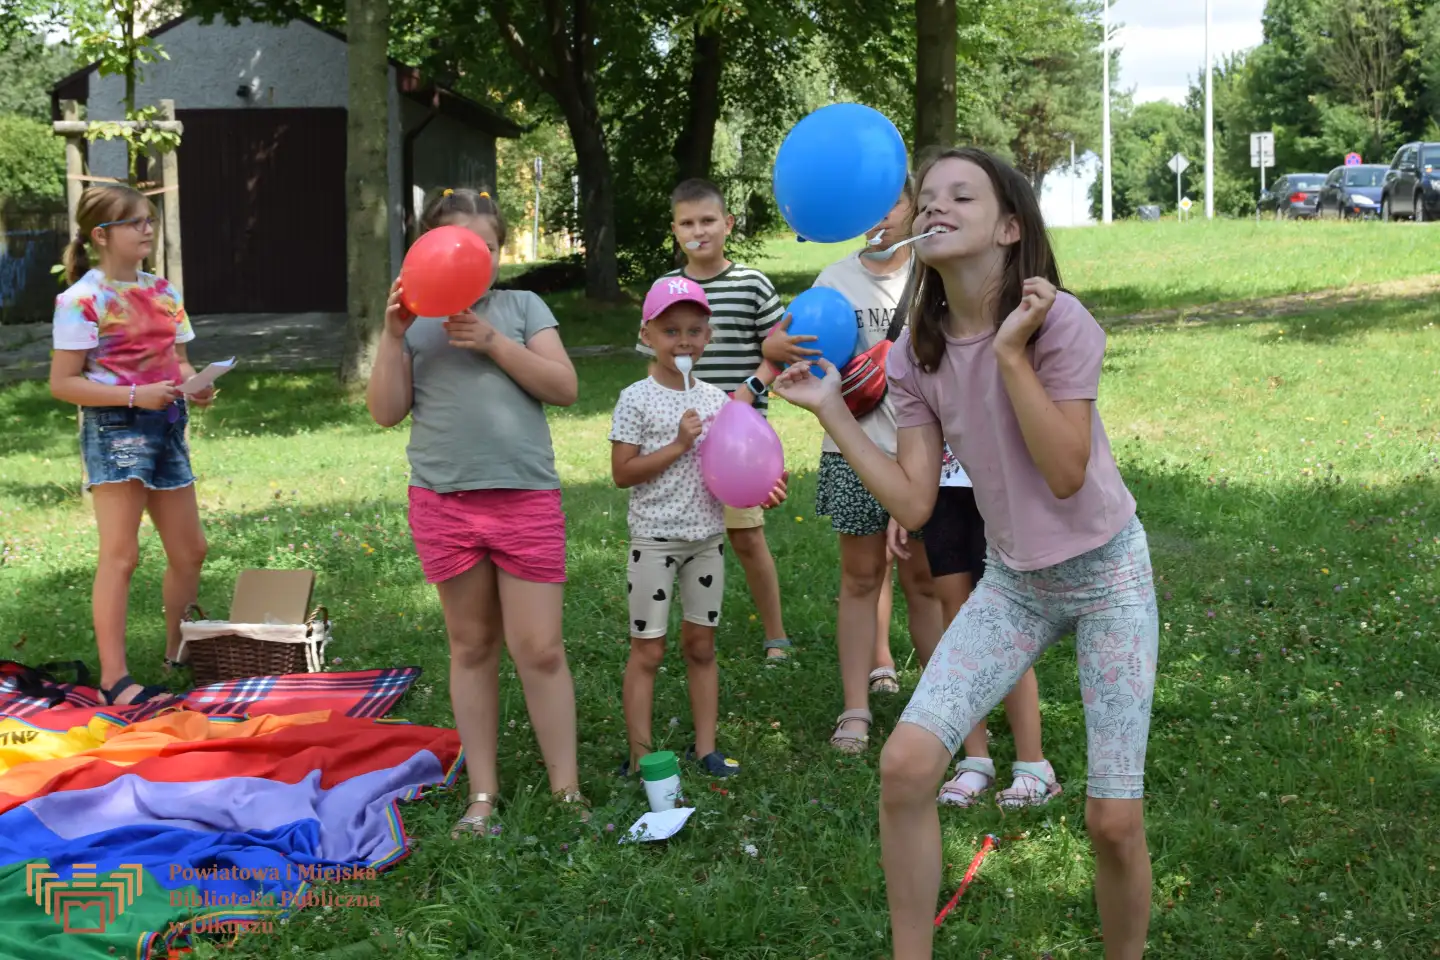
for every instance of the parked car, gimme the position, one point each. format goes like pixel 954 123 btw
pixel 1412 184
pixel 1352 191
pixel 1293 195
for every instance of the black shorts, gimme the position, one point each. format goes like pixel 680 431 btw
pixel 955 535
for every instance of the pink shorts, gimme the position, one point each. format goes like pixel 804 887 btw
pixel 521 531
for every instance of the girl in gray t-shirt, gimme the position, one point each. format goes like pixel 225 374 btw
pixel 485 508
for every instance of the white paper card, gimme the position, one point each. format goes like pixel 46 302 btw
pixel 207 376
pixel 658 826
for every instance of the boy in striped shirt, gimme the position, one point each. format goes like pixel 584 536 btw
pixel 744 309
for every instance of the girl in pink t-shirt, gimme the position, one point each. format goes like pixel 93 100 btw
pixel 1006 367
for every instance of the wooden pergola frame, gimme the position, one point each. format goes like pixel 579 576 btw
pixel 167 256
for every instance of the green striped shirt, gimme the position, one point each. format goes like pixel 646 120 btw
pixel 744 308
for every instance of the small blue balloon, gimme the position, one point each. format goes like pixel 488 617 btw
pixel 839 172
pixel 826 314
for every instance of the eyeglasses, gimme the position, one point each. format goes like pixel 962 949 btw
pixel 139 223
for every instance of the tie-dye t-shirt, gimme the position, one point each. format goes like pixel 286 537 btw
pixel 129 329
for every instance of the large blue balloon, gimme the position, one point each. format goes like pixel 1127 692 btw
pixel 826 314
pixel 839 172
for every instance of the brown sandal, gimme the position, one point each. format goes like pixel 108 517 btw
pixel 847 741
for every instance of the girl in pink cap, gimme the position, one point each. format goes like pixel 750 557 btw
pixel 677 526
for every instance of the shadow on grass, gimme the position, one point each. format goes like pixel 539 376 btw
pixel 278 404
pixel 1316 322
pixel 34 422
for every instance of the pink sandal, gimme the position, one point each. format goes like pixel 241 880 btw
pixel 973 776
pixel 1034 786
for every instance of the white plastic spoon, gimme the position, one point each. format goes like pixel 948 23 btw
pixel 685 364
pixel 693 245
pixel 888 251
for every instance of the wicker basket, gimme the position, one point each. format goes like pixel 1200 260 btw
pixel 221 651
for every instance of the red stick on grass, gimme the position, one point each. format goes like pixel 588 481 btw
pixel 991 842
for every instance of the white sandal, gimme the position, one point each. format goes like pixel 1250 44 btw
pixel 962 789
pixel 475 825
pixel 1034 786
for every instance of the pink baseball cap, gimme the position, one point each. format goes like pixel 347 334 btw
pixel 668 291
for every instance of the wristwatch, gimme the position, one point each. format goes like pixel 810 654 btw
pixel 755 385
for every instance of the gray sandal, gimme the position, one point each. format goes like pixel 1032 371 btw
pixel 782 645
pixel 847 741
pixel 884 680
pixel 475 826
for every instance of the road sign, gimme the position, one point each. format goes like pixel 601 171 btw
pixel 1262 150
pixel 1178 164
pixel 1352 159
pixel 1186 204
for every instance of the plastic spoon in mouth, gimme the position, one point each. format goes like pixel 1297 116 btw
pixel 886 253
pixel 685 364
pixel 693 245
pixel 875 240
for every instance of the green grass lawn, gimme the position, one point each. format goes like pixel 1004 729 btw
pixel 1129 267
pixel 1287 470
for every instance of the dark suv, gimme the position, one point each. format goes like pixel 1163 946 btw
pixel 1412 184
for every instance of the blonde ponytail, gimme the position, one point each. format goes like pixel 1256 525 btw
pixel 100 204
pixel 76 258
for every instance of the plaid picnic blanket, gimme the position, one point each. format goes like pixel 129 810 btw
pixel 39 695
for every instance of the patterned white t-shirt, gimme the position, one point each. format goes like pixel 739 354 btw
pixel 951 473
pixel 676 505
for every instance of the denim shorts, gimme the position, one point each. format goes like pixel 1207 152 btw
pixel 121 444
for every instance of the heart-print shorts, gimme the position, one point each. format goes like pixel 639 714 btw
pixel 654 566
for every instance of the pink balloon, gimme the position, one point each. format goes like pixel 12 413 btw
pixel 741 457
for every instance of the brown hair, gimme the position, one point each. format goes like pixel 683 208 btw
pixel 105 203
pixel 1030 256
pixel 445 204
pixel 689 191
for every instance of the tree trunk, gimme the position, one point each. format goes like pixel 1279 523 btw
pixel 696 141
pixel 597 209
pixel 127 40
pixel 935 38
pixel 367 183
pixel 568 76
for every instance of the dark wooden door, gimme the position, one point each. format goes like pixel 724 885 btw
pixel 262 210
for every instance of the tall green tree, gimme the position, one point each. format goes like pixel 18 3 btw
pixel 29 67
pixel 1046 81
pixel 1026 72
pixel 1334 76
pixel 1368 50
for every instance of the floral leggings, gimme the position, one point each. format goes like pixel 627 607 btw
pixel 1107 597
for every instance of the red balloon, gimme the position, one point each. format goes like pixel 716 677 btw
pixel 445 272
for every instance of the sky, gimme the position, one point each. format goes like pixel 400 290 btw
pixel 1162 48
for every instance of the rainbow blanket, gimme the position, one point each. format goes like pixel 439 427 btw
pixel 124 837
